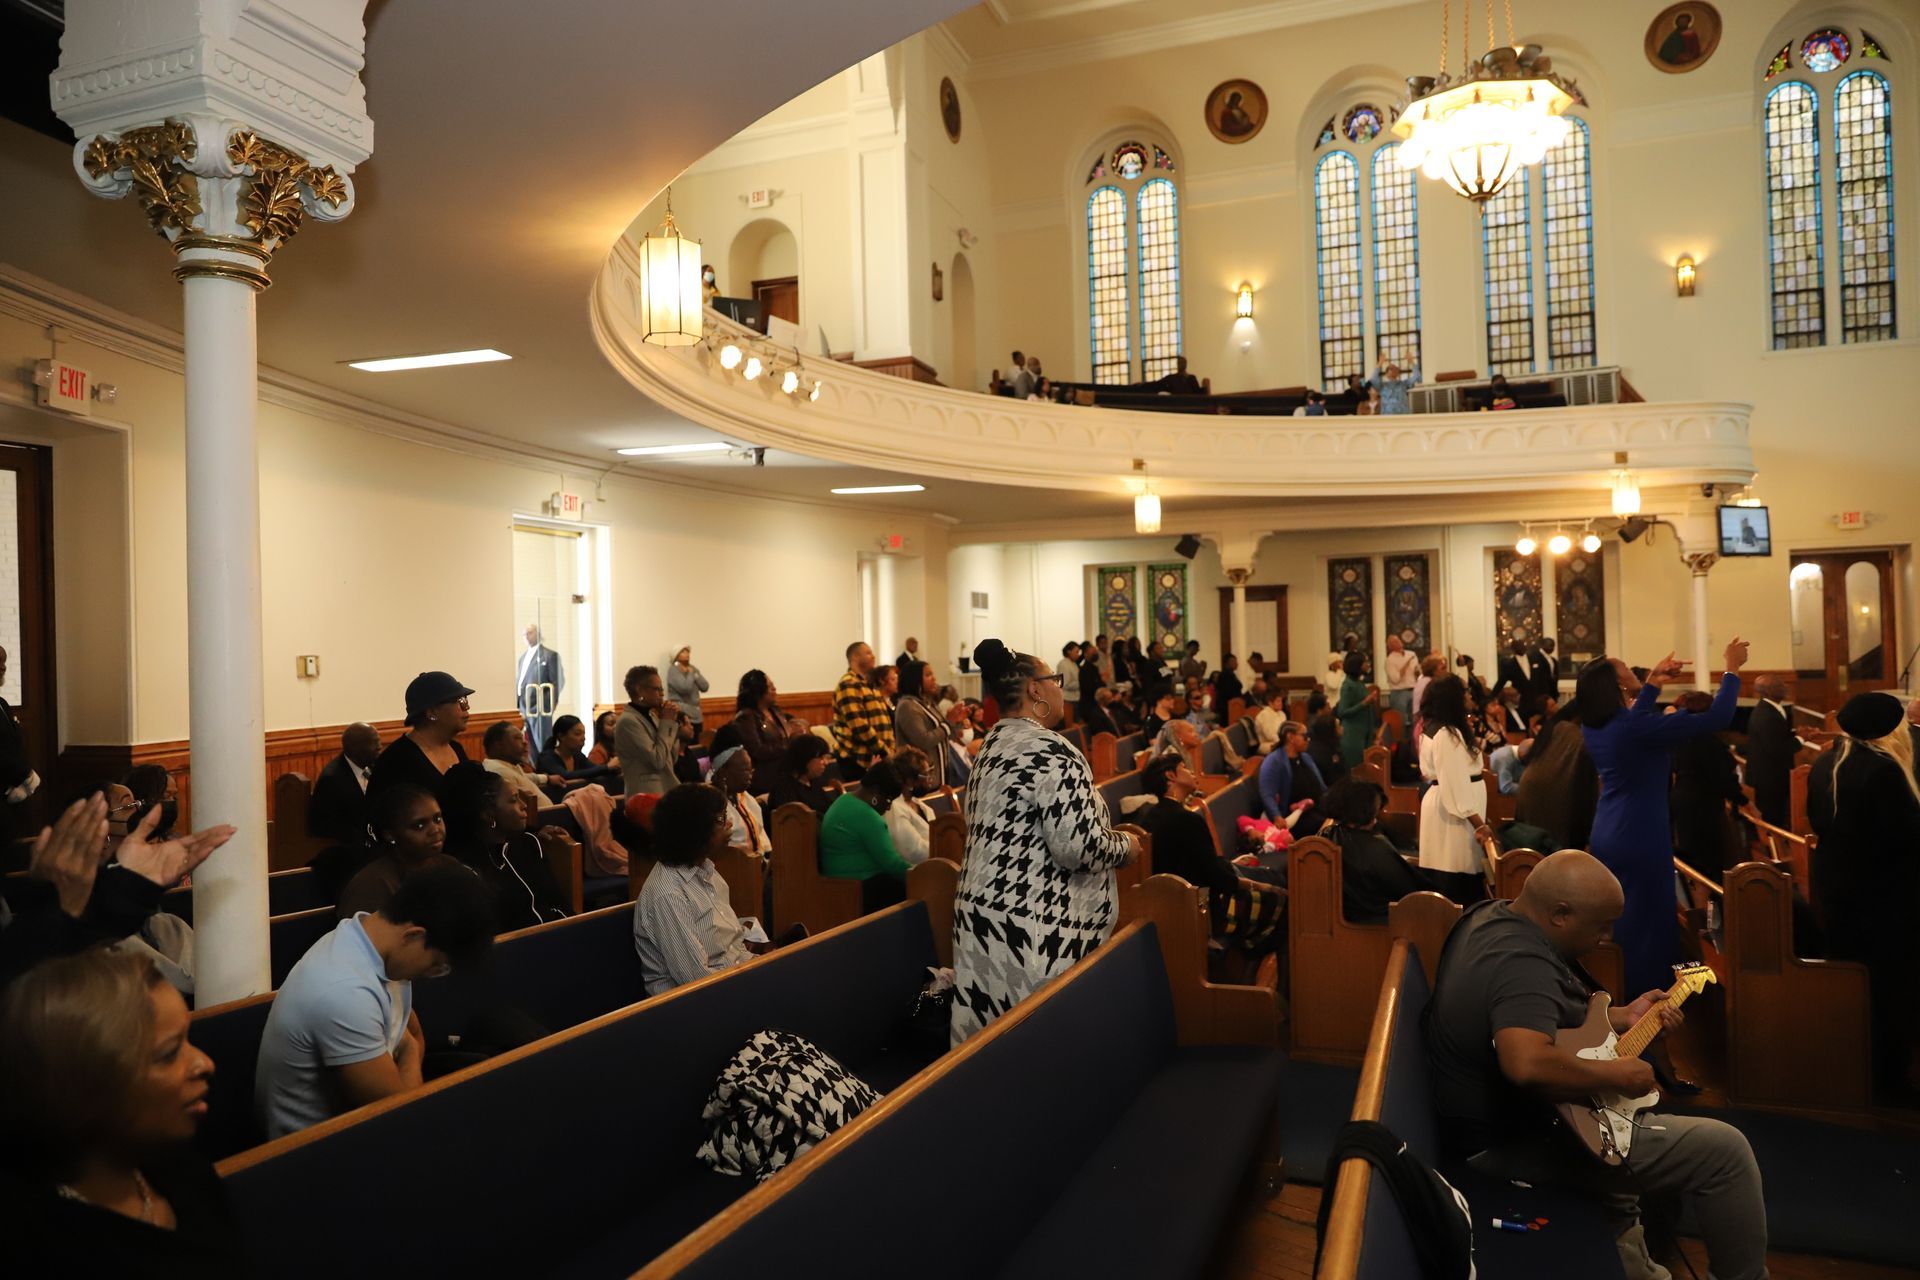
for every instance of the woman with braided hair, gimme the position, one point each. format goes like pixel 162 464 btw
pixel 1037 891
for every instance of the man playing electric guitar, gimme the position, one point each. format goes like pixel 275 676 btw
pixel 1507 982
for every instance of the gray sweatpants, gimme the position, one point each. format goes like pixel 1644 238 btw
pixel 1708 1162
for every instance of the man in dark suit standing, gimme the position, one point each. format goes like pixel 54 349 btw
pixel 1771 747
pixel 1530 671
pixel 338 810
pixel 18 781
pixel 540 682
pixel 910 653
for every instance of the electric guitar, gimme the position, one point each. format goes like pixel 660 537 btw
pixel 1604 1123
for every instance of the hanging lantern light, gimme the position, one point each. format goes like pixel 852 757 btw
pixel 670 300
pixel 1146 503
pixel 1626 494
pixel 1476 131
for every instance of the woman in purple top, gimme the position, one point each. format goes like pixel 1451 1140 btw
pixel 1630 746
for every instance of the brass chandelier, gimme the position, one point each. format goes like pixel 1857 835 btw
pixel 1476 131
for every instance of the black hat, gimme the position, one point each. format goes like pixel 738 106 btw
pixel 1869 716
pixel 429 689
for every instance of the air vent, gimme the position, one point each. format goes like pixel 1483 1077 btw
pixel 979 599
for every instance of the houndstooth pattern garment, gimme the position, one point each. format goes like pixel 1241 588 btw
pixel 1037 891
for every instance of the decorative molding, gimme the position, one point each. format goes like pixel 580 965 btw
pixel 869 419
pixel 763 144
pixel 1662 122
pixel 1250 182
pixel 1030 215
pixel 1232 25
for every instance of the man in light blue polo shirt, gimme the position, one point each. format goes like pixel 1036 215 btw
pixel 342 1032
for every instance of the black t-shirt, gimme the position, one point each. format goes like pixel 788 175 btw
pixel 404 761
pixel 1498 970
pixel 42 1233
pixel 1183 846
pixel 1373 875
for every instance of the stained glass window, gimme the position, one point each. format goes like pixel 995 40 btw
pixel 1506 246
pixel 1825 50
pixel 1159 242
pixel 1117 606
pixel 1793 217
pixel 1568 226
pixel 1364 123
pixel 1107 285
pixel 1326 134
pixel 1409 601
pixel 1169 604
pixel 1516 596
pixel 1781 61
pixel 1336 203
pixel 1162 161
pixel 1863 167
pixel 1130 160
pixel 1579 609
pixel 1870 48
pixel 1350 603
pixel 1396 259
pixel 1099 171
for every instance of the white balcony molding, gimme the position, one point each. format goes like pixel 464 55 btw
pixel 871 419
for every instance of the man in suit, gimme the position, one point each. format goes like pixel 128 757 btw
pixel 1530 671
pixel 539 667
pixel 910 652
pixel 1771 747
pixel 338 810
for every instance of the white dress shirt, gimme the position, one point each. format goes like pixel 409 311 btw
pixel 684 927
pixel 1402 669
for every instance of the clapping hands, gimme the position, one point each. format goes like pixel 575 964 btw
pixel 168 862
pixel 67 854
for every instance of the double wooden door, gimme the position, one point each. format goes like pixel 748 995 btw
pixel 1844 638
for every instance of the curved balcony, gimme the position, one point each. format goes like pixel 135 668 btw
pixel 871 419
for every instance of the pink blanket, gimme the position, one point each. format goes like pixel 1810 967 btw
pixel 593 809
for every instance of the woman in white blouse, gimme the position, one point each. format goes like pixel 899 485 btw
pixel 909 821
pixel 1451 812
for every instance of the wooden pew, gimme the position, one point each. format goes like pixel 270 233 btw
pixel 1790 850
pixel 1152 1045
pixel 1378 769
pixel 287 892
pixel 289 936
pixel 936 883
pixel 802 893
pixel 1103 756
pixel 947 838
pixel 1799 1031
pixel 588 1135
pixel 1606 964
pixel 1797 782
pixel 288 844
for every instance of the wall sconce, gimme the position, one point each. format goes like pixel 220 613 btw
pixel 1243 302
pixel 1683 273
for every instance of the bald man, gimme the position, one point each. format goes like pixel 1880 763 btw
pixel 1508 981
pixel 338 810
pixel 1770 750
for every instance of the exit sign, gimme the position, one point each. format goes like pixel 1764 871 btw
pixel 567 506
pixel 64 386
pixel 1851 520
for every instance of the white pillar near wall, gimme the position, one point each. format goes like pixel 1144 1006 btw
pixel 1237 614
pixel 1700 563
pixel 226 174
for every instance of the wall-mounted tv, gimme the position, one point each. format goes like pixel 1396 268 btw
pixel 1744 531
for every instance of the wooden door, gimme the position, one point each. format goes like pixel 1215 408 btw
pixel 1844 638
pixel 26 614
pixel 779 297
pixel 1266 630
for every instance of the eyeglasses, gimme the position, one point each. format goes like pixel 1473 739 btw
pixel 119 810
pixel 440 970
pixel 1055 678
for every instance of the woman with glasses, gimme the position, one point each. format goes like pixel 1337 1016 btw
pixel 917 721
pixel 1037 892
pixel 684 926
pixel 436 717
pixel 909 821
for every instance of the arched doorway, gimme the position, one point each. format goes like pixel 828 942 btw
pixel 763 263
pixel 965 373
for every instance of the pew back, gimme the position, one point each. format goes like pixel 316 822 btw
pixel 801 893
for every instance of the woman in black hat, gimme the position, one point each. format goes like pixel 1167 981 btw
pixel 436 716
pixel 1864 804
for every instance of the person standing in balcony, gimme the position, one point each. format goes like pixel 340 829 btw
pixel 1396 386
pixel 1019 383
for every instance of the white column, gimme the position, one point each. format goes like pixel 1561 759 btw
pixel 1702 649
pixel 224 673
pixel 1237 642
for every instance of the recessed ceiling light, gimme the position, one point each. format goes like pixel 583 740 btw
pixel 394 363
pixel 885 488
pixel 655 450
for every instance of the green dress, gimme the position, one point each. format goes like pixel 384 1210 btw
pixel 1358 722
pixel 855 843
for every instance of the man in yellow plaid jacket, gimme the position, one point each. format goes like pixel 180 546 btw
pixel 862 717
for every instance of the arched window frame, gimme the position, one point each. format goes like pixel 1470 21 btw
pixel 1846 291
pixel 1145 289
pixel 1539 288
pixel 1366 256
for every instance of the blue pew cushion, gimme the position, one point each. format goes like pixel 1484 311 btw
pixel 774 1100
pixel 1180 1147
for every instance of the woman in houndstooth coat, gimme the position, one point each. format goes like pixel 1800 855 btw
pixel 1037 892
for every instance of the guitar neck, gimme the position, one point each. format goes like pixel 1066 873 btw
pixel 1634 1041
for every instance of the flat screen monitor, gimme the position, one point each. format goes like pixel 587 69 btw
pixel 1744 531
pixel 746 311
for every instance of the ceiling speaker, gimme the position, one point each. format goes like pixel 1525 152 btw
pixel 1188 546
pixel 1633 527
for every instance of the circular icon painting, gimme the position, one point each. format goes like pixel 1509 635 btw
pixel 950 108
pixel 1683 36
pixel 1236 111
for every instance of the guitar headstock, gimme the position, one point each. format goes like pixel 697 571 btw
pixel 1692 978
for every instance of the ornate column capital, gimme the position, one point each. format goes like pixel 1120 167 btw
pixel 231 121
pixel 223 196
pixel 1239 577
pixel 1701 561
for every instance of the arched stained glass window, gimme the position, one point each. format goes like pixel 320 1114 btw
pixel 1567 183
pixel 1793 217
pixel 1825 50
pixel 1130 160
pixel 1336 204
pixel 1506 246
pixel 1364 123
pixel 1107 292
pixel 1396 258
pixel 1863 169
pixel 1158 231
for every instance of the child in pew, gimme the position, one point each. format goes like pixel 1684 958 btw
pixel 684 926
pixel 342 1032
pixel 100 1095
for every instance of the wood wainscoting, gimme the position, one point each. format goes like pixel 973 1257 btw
pixel 307 751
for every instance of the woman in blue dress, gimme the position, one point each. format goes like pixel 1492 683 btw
pixel 1630 742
